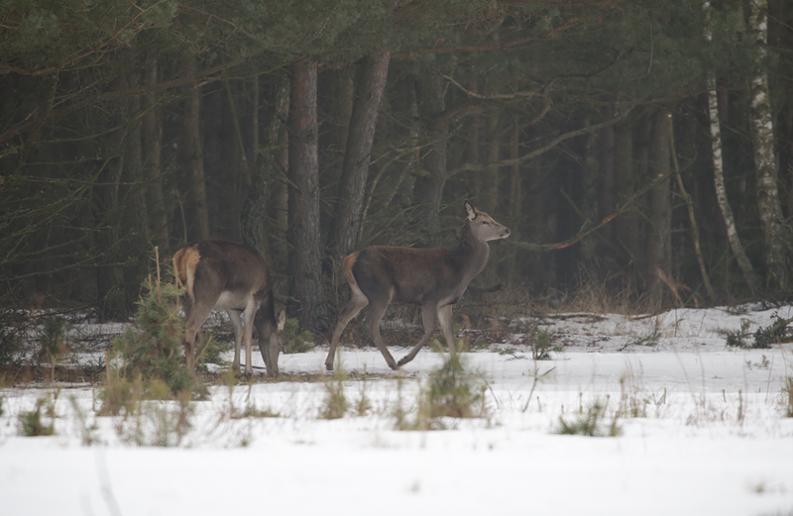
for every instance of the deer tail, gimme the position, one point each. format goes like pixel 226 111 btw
pixel 185 262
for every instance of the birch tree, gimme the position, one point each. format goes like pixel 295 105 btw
pixel 762 128
pixel 734 239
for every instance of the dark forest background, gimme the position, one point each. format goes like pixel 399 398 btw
pixel 640 151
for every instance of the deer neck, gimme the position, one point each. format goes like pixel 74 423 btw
pixel 472 254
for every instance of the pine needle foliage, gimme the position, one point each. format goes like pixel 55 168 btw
pixel 150 353
pixel 455 392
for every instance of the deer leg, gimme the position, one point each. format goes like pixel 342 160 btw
pixel 428 320
pixel 357 302
pixel 376 314
pixel 247 335
pixel 446 323
pixel 236 322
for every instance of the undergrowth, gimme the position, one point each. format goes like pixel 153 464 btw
pixel 146 361
pixel 449 392
pixel 590 421
pixel 335 404
pixel 295 340
pixel 41 420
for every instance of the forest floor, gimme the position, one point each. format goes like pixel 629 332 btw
pixel 685 425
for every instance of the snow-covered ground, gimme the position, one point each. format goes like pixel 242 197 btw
pixel 702 432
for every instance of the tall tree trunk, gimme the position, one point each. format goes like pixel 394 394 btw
pixel 152 145
pixel 277 180
pixel 515 201
pixel 428 189
pixel 659 239
pixel 338 97
pixel 240 174
pixel 734 239
pixel 194 157
pixel 355 171
pixel 304 197
pixel 627 224
pixel 762 127
pixel 489 179
pixel 692 220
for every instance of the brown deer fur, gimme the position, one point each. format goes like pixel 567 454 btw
pixel 434 278
pixel 234 278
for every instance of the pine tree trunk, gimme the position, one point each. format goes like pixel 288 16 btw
pixel 659 239
pixel 515 202
pixel 152 145
pixel 489 178
pixel 428 189
pixel 194 157
pixel 304 230
pixel 355 172
pixel 762 127
pixel 277 179
pixel 627 224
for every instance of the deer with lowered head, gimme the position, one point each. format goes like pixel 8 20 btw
pixel 434 278
pixel 231 277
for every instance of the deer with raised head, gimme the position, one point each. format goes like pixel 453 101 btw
pixel 231 277
pixel 434 278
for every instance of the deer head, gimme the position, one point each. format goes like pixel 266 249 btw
pixel 483 226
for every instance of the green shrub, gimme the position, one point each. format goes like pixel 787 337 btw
pixel 589 422
pixel 449 392
pixel 541 344
pixel 52 339
pixel 454 392
pixel 737 338
pixel 295 340
pixel 777 331
pixel 11 341
pixel 31 423
pixel 152 348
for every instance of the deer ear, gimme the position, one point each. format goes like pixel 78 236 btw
pixel 280 324
pixel 470 210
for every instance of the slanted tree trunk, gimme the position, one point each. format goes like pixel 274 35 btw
pixel 152 157
pixel 733 238
pixel 307 284
pixel 762 127
pixel 194 156
pixel 355 171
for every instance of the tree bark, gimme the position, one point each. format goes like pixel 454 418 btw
pixel 428 188
pixel 355 172
pixel 692 220
pixel 194 157
pixel 762 127
pixel 627 224
pixel 152 145
pixel 304 197
pixel 659 238
pixel 278 164
pixel 515 202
